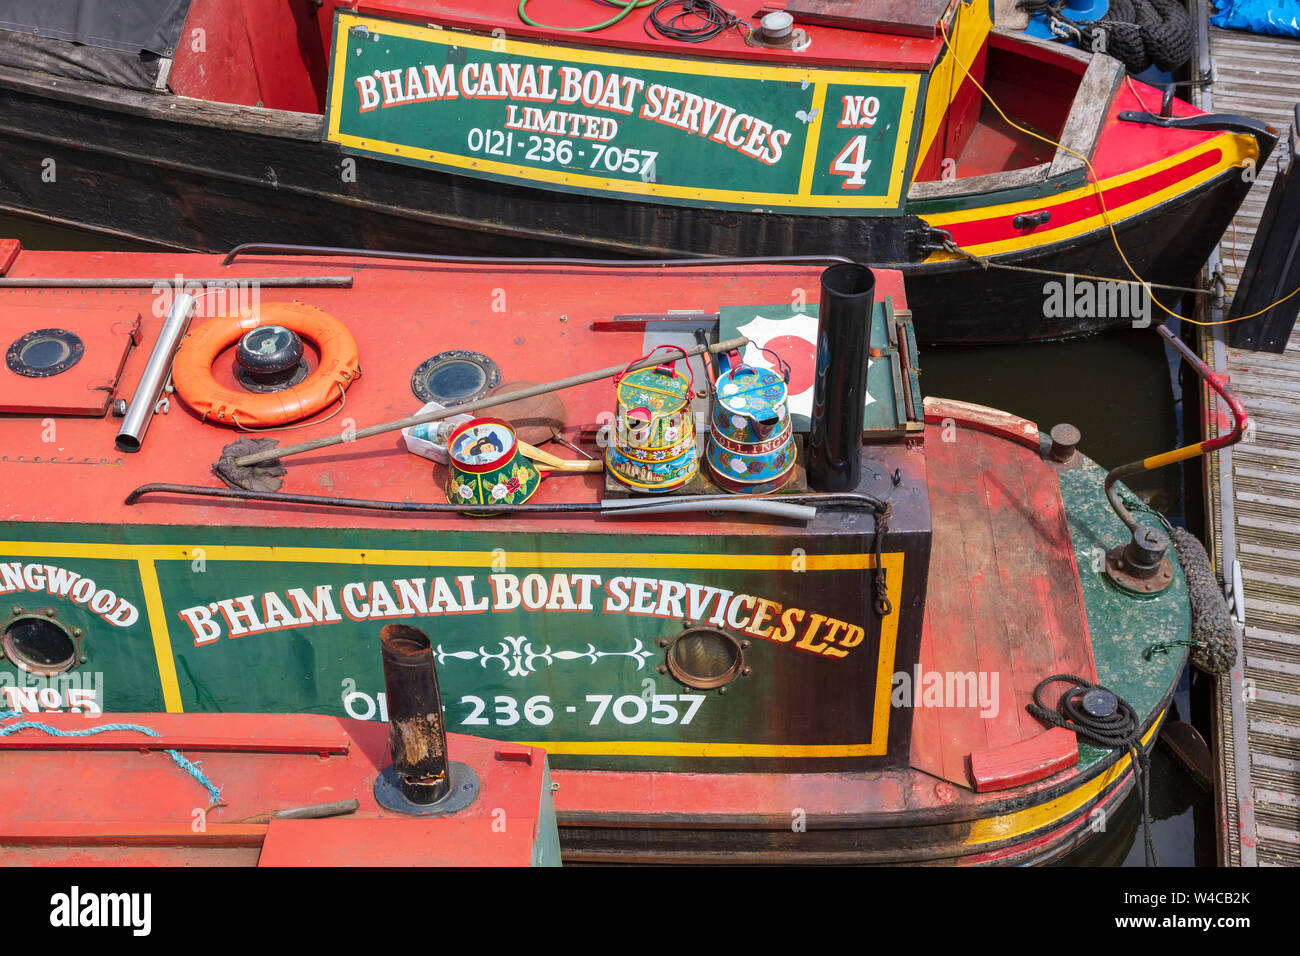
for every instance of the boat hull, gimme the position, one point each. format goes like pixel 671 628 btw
pixel 192 175
pixel 738 786
pixel 1025 827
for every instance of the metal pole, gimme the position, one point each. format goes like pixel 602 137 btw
pixel 141 410
pixel 839 397
pixel 226 282
pixel 274 454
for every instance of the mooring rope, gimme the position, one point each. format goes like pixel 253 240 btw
pixel 883 605
pixel 1121 728
pixel 189 766
pixel 985 262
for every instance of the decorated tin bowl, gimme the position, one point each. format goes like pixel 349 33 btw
pixel 655 476
pixel 485 466
pixel 773 444
pixel 740 472
pixel 750 405
pixel 684 443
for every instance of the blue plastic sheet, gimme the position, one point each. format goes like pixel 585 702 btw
pixel 1278 17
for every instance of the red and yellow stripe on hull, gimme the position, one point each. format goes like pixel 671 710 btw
pixel 866 818
pixel 990 230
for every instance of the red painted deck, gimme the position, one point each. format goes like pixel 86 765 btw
pixel 534 321
pixel 107 800
pixel 999 523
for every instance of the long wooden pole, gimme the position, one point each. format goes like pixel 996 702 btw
pixel 272 454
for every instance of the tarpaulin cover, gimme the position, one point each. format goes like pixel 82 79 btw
pixel 118 42
pixel 1278 17
pixel 126 25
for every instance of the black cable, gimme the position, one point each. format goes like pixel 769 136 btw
pixel 1121 728
pixel 712 20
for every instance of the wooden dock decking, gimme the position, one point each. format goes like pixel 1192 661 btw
pixel 1253 496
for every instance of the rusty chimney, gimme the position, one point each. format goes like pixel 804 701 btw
pixel 416 735
pixel 839 395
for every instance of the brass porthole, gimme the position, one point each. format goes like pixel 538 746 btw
pixel 36 642
pixel 704 658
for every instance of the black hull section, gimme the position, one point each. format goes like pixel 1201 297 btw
pixel 208 185
pixel 1168 245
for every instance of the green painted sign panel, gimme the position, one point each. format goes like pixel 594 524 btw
pixel 640 127
pixel 558 640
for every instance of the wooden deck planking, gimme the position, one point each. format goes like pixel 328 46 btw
pixel 961 535
pixel 1019 552
pixel 999 523
pixel 1060 590
pixel 1254 500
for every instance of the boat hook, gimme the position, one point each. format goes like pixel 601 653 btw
pixel 1141 564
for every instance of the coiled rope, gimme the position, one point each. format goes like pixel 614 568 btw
pixel 1138 33
pixel 1121 728
pixel 697 21
pixel 1213 641
pixel 189 766
pixel 883 605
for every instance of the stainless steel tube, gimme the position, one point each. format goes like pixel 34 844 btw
pixel 147 393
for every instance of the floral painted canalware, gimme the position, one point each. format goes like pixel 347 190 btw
pixel 486 466
pixel 653 476
pixel 750 406
pixel 654 406
pixel 653 445
pixel 751 474
pixel 751 445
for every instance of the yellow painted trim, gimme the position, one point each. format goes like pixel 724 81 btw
pixel 1172 457
pixel 968 35
pixel 466 559
pixel 162 645
pixel 893 563
pixel 909 82
pixel 814 140
pixel 1022 822
pixel 645 748
pixel 1235 149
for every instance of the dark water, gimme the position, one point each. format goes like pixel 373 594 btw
pixel 1119 390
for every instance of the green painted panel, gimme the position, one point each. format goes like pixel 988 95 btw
pixel 547 638
pixel 104 601
pixel 669 129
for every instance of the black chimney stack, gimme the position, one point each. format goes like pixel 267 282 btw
pixel 416 736
pixel 839 395
pixel 421 780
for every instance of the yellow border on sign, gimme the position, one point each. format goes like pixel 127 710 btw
pixel 820 79
pixel 147 557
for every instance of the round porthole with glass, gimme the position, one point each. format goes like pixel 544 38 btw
pixel 37 642
pixel 455 377
pixel 704 658
pixel 44 352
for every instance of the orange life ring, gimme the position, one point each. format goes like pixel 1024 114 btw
pixel 339 366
